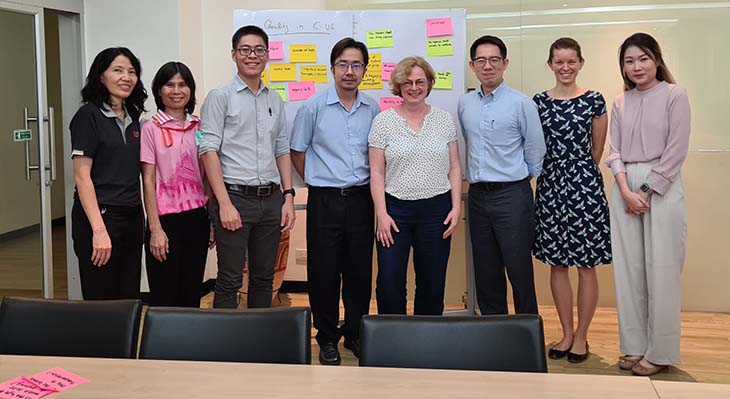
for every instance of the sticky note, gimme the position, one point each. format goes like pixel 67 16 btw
pixel 299 91
pixel 276 50
pixel 56 380
pixel 283 72
pixel 303 53
pixel 386 70
pixel 313 73
pixel 380 38
pixel 389 102
pixel 20 388
pixel 373 80
pixel 444 80
pixel 439 27
pixel 281 89
pixel 439 47
pixel 265 76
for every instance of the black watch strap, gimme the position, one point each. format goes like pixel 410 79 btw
pixel 645 188
pixel 290 191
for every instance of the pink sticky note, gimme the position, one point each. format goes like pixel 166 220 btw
pixel 299 91
pixel 276 50
pixel 389 102
pixel 387 69
pixel 439 27
pixel 19 388
pixel 57 380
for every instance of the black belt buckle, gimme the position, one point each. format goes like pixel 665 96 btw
pixel 263 191
pixel 347 191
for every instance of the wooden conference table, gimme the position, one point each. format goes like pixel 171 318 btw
pixel 122 378
pixel 691 390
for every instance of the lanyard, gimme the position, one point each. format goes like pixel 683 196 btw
pixel 167 132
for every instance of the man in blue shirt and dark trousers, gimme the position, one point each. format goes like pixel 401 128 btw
pixel 329 147
pixel 505 148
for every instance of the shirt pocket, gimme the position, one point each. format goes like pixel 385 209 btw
pixel 501 130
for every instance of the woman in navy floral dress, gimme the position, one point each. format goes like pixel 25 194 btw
pixel 571 208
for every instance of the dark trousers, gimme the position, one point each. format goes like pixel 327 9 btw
pixel 339 253
pixel 119 278
pixel 177 280
pixel 259 238
pixel 421 225
pixel 502 229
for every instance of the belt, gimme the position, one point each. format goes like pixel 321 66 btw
pixel 343 192
pixel 254 191
pixel 487 186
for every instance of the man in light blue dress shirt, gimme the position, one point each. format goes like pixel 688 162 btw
pixel 505 149
pixel 329 149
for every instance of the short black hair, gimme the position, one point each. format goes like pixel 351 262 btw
pixel 346 43
pixel 487 39
pixel 249 30
pixel 95 92
pixel 164 74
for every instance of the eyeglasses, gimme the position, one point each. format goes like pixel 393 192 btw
pixel 493 61
pixel 343 66
pixel 245 51
pixel 420 83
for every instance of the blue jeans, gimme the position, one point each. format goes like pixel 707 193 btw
pixel 421 225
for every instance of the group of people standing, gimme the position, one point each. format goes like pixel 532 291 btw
pixel 393 177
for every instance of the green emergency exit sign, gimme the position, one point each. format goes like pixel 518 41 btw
pixel 22 135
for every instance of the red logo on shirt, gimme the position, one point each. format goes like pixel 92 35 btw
pixel 135 134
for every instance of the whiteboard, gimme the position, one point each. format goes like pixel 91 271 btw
pixel 324 28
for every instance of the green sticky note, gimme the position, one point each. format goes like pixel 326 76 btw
pixel 444 80
pixel 439 47
pixel 380 38
pixel 281 89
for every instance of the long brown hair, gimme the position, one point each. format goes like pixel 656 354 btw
pixel 650 46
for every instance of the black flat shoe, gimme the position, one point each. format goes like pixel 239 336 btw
pixel 329 355
pixel 556 354
pixel 578 358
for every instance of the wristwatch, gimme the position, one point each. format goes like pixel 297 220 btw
pixel 645 188
pixel 289 191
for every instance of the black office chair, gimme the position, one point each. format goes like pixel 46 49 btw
pixel 278 335
pixel 46 327
pixel 495 343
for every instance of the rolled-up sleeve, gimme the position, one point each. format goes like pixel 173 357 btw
pixel 533 137
pixel 282 137
pixel 212 120
pixel 664 172
pixel 614 160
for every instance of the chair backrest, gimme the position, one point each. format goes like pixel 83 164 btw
pixel 495 343
pixel 278 335
pixel 46 327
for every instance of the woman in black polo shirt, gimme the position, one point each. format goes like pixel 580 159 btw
pixel 107 218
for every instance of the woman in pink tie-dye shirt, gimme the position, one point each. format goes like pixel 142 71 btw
pixel 178 229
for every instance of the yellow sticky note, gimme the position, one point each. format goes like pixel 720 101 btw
pixel 265 77
pixel 313 73
pixel 281 89
pixel 283 72
pixel 303 53
pixel 373 79
pixel 444 80
pixel 439 47
pixel 380 38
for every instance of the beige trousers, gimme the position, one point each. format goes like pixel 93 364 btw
pixel 648 256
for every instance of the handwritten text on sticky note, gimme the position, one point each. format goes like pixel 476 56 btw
pixel 20 388
pixel 283 72
pixel 303 53
pixel 439 27
pixel 380 38
pixel 57 379
pixel 444 80
pixel 276 50
pixel 281 89
pixel 439 47
pixel 387 70
pixel 313 73
pixel 299 91
pixel 389 102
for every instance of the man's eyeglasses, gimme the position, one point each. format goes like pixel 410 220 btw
pixel 245 51
pixel 493 61
pixel 420 83
pixel 343 66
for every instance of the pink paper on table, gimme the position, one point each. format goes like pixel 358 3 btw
pixel 19 388
pixel 57 379
pixel 389 102
pixel 276 50
pixel 387 69
pixel 439 27
pixel 299 91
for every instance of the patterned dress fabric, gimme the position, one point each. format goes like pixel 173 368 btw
pixel 571 207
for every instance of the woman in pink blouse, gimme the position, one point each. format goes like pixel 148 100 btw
pixel 178 228
pixel 650 125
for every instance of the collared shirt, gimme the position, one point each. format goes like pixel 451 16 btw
pixel 247 130
pixel 171 147
pixel 334 140
pixel 503 135
pixel 113 144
